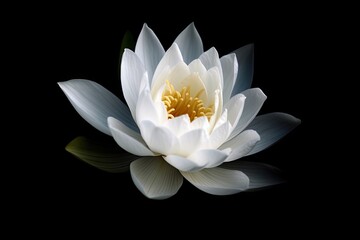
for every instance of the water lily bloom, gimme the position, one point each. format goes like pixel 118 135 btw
pixel 189 114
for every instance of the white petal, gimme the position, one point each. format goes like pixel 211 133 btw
pixel 181 77
pixel 178 125
pixel 209 157
pixel 260 174
pixel 211 59
pixel 155 178
pixel 212 157
pixel 220 132
pixel 171 58
pixel 149 50
pixel 146 109
pixel 177 74
pixel 196 66
pixel 255 98
pixel 229 66
pixel 218 181
pixel 127 139
pixel 245 57
pixel 190 43
pixel 212 83
pixel 223 119
pixel 132 72
pixel 159 139
pixel 192 141
pixel 183 163
pixel 204 158
pixel 217 109
pixel 200 122
pixel 241 145
pixel 271 127
pixel 95 104
pixel 235 108
pixel 159 84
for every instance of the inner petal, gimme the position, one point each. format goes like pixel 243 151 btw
pixel 183 101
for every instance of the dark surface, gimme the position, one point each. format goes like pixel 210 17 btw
pixel 79 43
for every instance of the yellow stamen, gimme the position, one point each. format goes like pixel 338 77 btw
pixel 179 103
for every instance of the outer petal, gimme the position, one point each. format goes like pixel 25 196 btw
pixel 255 98
pixel 220 132
pixel 95 104
pixel 218 181
pixel 241 145
pixel 128 139
pixel 204 158
pixel 132 72
pixel 106 156
pixel 235 108
pixel 271 127
pixel 229 66
pixel 245 57
pixel 155 178
pixel 190 44
pixel 149 50
pixel 260 174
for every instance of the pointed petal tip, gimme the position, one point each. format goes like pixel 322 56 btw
pixel 261 175
pixel 291 118
pixel 260 93
pixel 255 134
pixel 272 127
pixel 126 51
pixel 68 147
pixel 174 45
pixel 242 97
pixel 213 49
pixel 192 25
pixel 62 84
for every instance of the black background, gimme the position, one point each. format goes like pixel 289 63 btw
pixel 84 42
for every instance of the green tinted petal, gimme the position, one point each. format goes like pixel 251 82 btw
pixel 107 156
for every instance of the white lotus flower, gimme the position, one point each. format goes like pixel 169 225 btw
pixel 188 111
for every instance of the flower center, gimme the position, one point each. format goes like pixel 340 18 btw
pixel 181 102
